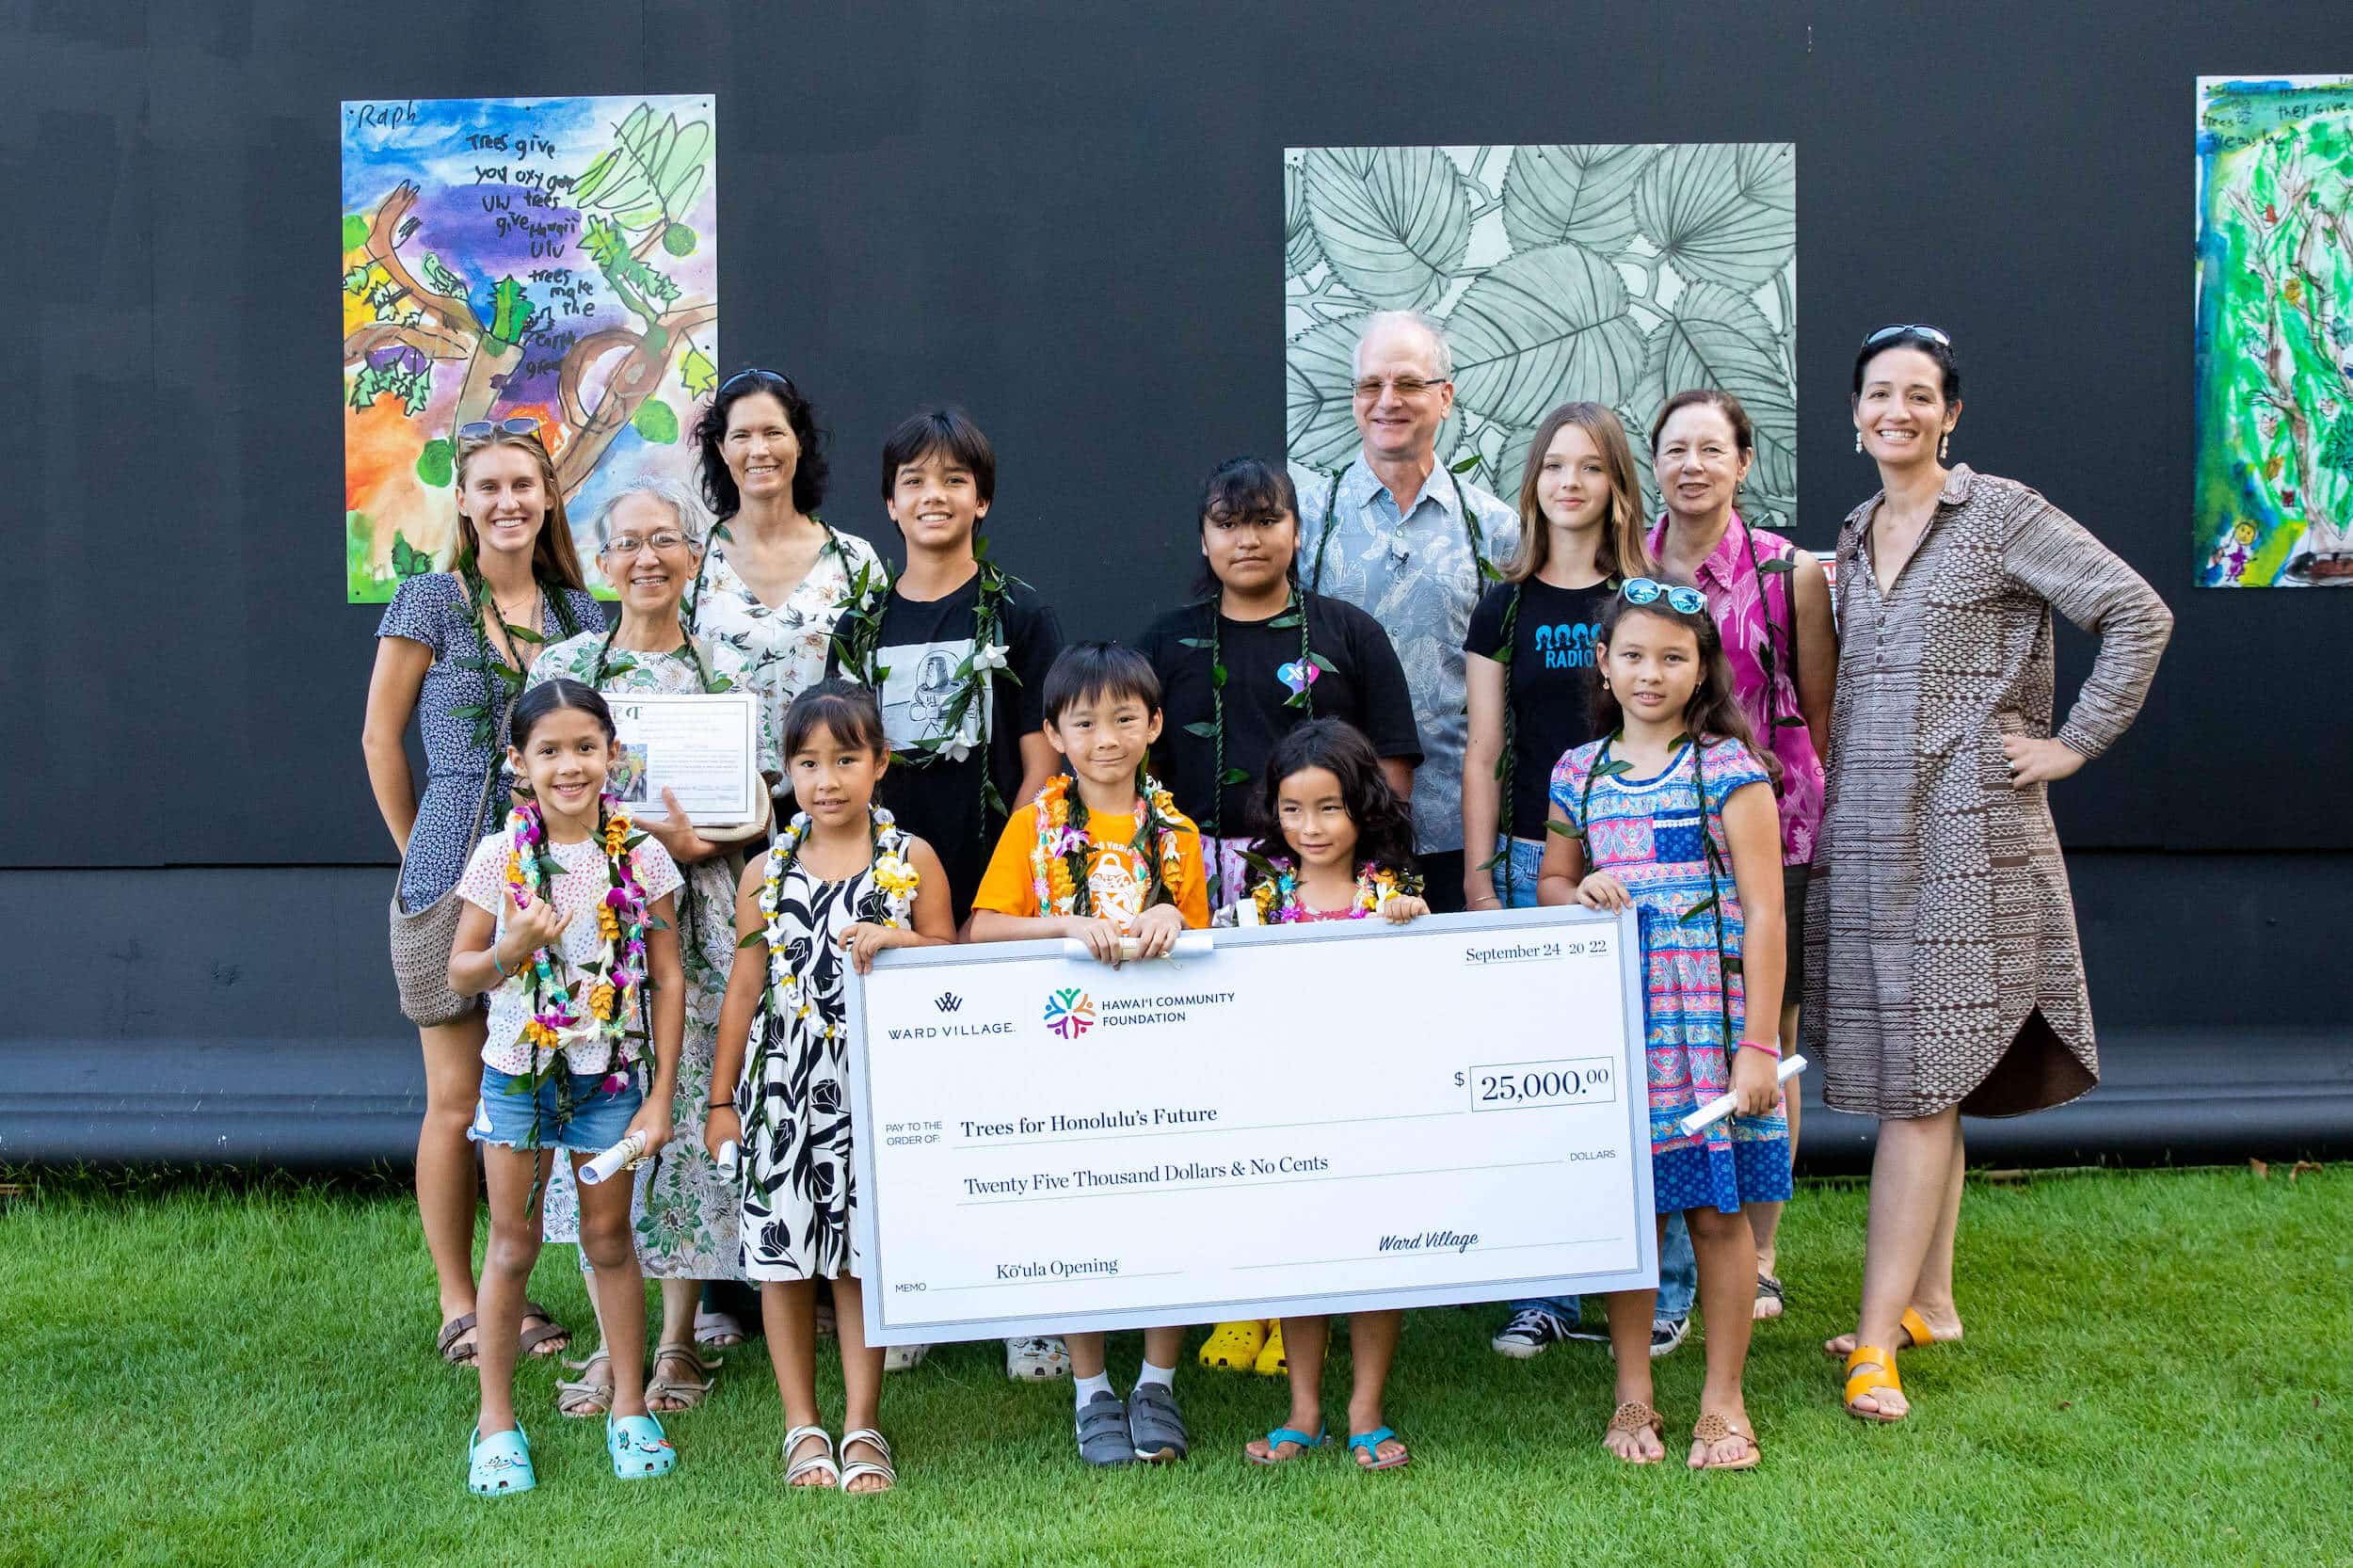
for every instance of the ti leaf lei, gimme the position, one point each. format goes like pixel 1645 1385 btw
pixel 888 899
pixel 1300 678
pixel 857 653
pixel 502 682
pixel 1507 765
pixel 1604 766
pixel 1059 862
pixel 1488 571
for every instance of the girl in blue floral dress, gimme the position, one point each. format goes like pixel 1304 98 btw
pixel 1673 814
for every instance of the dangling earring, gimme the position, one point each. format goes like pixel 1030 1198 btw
pixel 1944 447
pixel 1858 441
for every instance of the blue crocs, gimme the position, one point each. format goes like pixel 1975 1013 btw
pixel 499 1465
pixel 638 1447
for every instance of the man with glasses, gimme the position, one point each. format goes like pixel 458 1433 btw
pixel 1413 545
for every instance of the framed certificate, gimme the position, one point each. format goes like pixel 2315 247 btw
pixel 703 747
pixel 1302 1119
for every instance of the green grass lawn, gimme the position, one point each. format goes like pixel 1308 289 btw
pixel 2156 1371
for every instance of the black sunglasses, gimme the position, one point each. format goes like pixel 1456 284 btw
pixel 1917 329
pixel 482 429
pixel 755 373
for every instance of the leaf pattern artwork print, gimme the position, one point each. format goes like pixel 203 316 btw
pixel 552 260
pixel 2274 503
pixel 1621 274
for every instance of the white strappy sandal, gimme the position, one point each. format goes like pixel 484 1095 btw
pixel 852 1471
pixel 795 1470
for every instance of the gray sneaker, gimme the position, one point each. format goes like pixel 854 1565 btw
pixel 1103 1431
pixel 1155 1425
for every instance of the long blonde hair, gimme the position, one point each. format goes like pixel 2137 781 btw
pixel 552 557
pixel 1620 553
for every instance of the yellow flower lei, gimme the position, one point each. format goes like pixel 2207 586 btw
pixel 1061 852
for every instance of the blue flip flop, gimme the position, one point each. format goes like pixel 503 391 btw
pixel 1281 1435
pixel 638 1447
pixel 499 1465
pixel 1370 1443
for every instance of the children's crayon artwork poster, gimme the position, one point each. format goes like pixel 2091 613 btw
pixel 548 259
pixel 2273 502
pixel 1619 274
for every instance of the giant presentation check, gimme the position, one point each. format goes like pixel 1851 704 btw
pixel 1294 1119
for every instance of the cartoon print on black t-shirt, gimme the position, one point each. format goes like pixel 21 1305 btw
pixel 918 687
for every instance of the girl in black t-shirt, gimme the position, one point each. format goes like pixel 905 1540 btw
pixel 1254 657
pixel 1531 670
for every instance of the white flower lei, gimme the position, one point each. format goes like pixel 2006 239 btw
pixel 894 877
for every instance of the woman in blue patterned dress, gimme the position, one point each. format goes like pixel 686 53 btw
pixel 1672 813
pixel 453 650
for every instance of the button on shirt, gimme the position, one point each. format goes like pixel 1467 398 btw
pixel 1413 574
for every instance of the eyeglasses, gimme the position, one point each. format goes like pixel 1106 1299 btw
pixel 1645 591
pixel 1407 386
pixel 754 373
pixel 483 429
pixel 1918 330
pixel 630 544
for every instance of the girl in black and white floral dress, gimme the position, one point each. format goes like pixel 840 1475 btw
pixel 839 885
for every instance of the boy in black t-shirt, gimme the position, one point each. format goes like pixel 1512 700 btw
pixel 957 650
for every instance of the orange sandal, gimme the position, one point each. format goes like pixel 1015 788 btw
pixel 1713 1429
pixel 1633 1416
pixel 1922 1336
pixel 1882 1375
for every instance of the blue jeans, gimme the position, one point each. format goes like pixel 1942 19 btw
pixel 1524 859
pixel 1678 1281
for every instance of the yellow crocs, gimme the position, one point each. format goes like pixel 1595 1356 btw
pixel 1272 1362
pixel 1233 1347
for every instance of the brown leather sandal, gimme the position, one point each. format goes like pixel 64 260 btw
pixel 590 1394
pixel 1713 1429
pixel 1633 1416
pixel 682 1393
pixel 547 1339
pixel 447 1345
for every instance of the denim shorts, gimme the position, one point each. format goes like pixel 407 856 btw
pixel 1525 856
pixel 599 1119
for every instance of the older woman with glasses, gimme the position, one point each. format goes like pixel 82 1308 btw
pixel 650 540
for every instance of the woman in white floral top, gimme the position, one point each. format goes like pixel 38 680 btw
pixel 775 577
pixel 649 540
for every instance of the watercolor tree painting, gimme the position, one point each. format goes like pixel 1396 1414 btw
pixel 550 258
pixel 1622 274
pixel 2274 497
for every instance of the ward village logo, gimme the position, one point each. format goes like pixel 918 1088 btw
pixel 1069 1012
pixel 1567 647
pixel 947 1001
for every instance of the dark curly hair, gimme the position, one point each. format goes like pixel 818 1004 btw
pixel 808 473
pixel 1385 825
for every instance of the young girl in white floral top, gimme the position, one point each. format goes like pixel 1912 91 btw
pixel 571 929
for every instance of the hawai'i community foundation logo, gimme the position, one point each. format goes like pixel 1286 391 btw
pixel 1070 1013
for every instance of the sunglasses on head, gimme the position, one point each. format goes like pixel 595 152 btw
pixel 754 373
pixel 1644 591
pixel 1917 329
pixel 482 429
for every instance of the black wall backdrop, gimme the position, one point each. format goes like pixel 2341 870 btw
pixel 1067 217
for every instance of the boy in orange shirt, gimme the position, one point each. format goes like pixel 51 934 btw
pixel 1102 855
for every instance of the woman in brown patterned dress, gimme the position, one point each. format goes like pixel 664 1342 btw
pixel 1942 974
